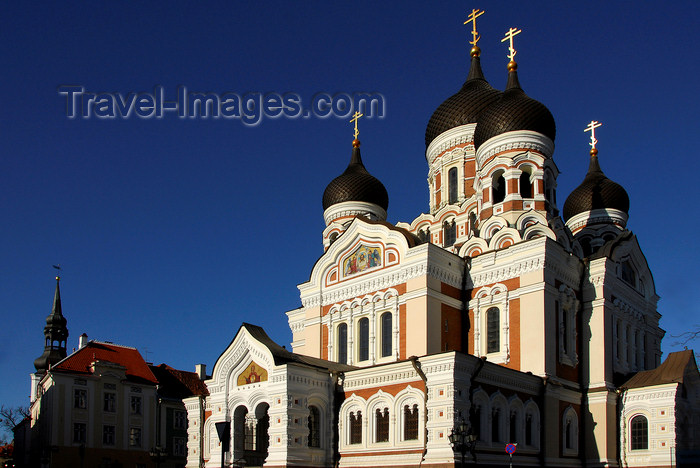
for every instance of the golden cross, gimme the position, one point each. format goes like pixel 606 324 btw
pixel 591 128
pixel 355 118
pixel 472 19
pixel 512 32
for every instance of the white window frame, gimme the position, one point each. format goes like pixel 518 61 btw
pixel 495 296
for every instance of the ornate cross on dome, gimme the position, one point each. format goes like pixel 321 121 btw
pixel 472 19
pixel 355 118
pixel 591 128
pixel 512 32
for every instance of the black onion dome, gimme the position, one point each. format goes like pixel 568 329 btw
pixel 515 110
pixel 465 106
pixel 355 184
pixel 596 192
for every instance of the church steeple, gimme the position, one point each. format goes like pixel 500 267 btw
pixel 55 335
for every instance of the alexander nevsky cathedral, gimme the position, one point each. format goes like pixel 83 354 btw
pixel 498 318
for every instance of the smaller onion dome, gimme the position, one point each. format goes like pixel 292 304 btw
pixel 596 192
pixel 465 106
pixel 514 111
pixel 355 184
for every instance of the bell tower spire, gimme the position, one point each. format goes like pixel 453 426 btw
pixel 55 334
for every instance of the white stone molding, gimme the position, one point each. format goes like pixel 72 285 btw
pixel 599 216
pixel 515 140
pixel 568 308
pixel 569 418
pixel 504 238
pixel 449 139
pixel 486 298
pixel 354 208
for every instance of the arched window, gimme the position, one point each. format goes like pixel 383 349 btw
pixel 333 237
pixel 386 334
pixel 452 183
pixel 495 425
pixel 424 235
pixel 498 188
pixel 314 427
pixel 528 429
pixel 382 425
pixel 513 433
pixel 476 423
pixel 356 428
pixel 493 337
pixel 363 326
pixel 628 274
pixel 450 230
pixel 410 422
pixel 570 432
pixel 525 185
pixel 343 343
pixel 639 429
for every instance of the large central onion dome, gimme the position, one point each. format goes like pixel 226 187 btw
pixel 355 185
pixel 596 192
pixel 465 106
pixel 515 110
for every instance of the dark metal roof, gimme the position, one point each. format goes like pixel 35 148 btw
pixel 355 184
pixel 515 110
pixel 463 107
pixel 178 384
pixel 673 369
pixel 282 356
pixel 595 192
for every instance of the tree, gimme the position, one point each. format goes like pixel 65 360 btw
pixel 10 417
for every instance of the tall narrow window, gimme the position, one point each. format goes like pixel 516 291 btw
pixel 493 337
pixel 498 189
pixel 567 435
pixel 363 326
pixel 639 428
pixel 450 230
pixel 314 427
pixel 410 422
pixel 565 327
pixel 513 428
pixel 386 334
pixel 476 424
pixel 343 343
pixel 525 185
pixel 528 429
pixel 356 428
pixel 79 398
pixel 495 426
pixel 452 181
pixel 382 422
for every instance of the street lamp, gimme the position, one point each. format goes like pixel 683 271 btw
pixel 157 454
pixel 462 440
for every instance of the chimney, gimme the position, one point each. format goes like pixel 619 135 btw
pixel 201 371
pixel 82 341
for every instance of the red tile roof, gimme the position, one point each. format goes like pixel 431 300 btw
pixel 80 361
pixel 178 383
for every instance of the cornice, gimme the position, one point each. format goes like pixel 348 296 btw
pixel 449 139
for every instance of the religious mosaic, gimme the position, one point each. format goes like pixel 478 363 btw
pixel 252 374
pixel 362 259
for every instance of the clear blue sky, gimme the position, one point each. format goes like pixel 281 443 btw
pixel 172 232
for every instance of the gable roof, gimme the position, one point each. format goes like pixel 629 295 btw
pixel 672 370
pixel 80 361
pixel 282 356
pixel 178 384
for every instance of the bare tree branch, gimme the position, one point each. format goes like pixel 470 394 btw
pixel 686 337
pixel 10 417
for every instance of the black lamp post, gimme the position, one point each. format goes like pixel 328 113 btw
pixel 157 454
pixel 462 439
